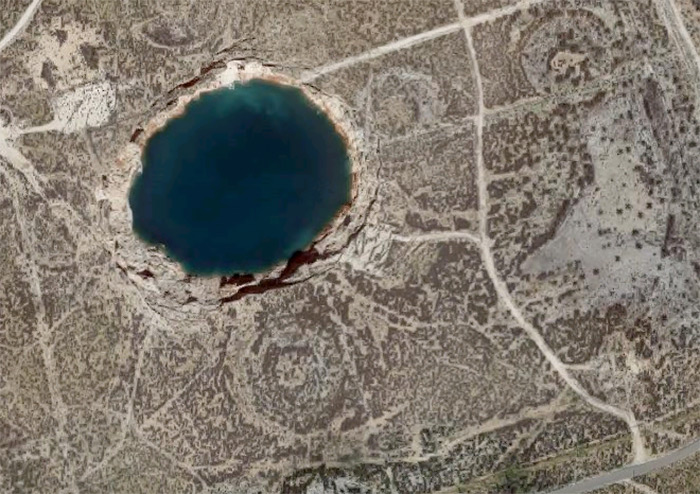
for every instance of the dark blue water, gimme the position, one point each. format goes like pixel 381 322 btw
pixel 242 180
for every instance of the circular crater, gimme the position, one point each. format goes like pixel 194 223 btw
pixel 166 32
pixel 565 49
pixel 297 377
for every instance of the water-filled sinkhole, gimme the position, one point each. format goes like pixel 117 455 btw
pixel 241 180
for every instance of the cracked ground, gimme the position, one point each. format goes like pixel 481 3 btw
pixel 516 308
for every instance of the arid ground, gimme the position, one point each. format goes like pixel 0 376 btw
pixel 510 304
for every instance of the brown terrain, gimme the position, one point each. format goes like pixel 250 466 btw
pixel 510 303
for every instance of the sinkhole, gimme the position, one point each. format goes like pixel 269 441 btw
pixel 243 178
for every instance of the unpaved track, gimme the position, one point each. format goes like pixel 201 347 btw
pixel 382 50
pixel 671 14
pixel 464 22
pixel 21 24
pixel 500 286
pixel 673 19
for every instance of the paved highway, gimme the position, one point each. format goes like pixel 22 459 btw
pixel 625 473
